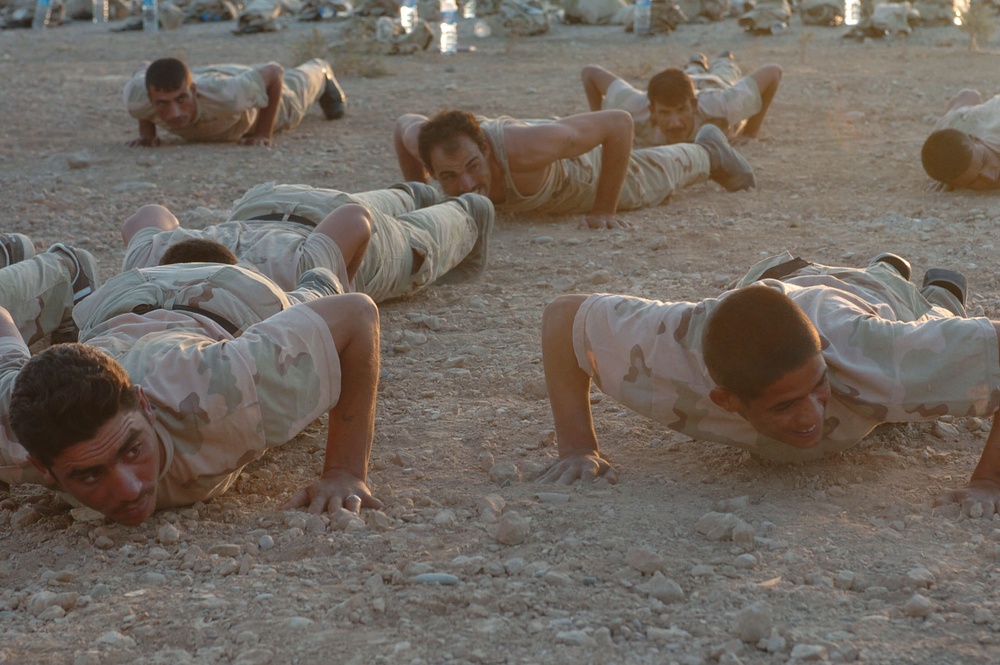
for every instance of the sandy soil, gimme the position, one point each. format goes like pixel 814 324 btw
pixel 842 560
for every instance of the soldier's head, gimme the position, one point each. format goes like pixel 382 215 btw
pixel 172 92
pixel 198 250
pixel 672 104
pixel 764 355
pixel 455 151
pixel 88 430
pixel 960 160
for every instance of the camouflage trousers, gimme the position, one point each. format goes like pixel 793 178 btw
pixel 722 73
pixel 303 86
pixel 38 293
pixel 418 236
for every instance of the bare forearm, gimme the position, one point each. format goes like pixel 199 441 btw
pixel 568 386
pixel 988 467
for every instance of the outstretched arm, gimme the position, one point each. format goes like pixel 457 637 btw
pixel 404 141
pixel 354 325
pixel 263 129
pixel 569 395
pixel 768 78
pixel 532 148
pixel 596 81
pixel 984 486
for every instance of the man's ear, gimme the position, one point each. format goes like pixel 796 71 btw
pixel 48 479
pixel 727 400
pixel 147 408
pixel 193 88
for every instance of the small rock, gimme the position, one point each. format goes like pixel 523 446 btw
pixel 299 622
pixel 115 639
pixel 225 549
pixel 152 579
pixel 745 562
pixel 743 536
pixel 645 561
pixel 84 514
pixel 505 472
pixel 663 589
pixel 918 606
pixel 485 460
pixel 809 652
pixel 445 579
pixel 552 497
pixel 578 638
pixel 512 529
pixel 717 526
pixel 168 534
pixel 133 186
pixel 920 577
pixel 265 542
pixel 753 623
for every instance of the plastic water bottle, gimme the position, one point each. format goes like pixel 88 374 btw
pixel 150 16
pixel 408 15
pixel 100 11
pixel 469 9
pixel 43 14
pixel 640 24
pixel 449 27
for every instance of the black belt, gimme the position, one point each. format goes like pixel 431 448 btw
pixel 226 324
pixel 784 269
pixel 284 217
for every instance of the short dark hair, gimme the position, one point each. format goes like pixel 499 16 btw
pixel 198 250
pixel 947 154
pixel 443 129
pixel 671 87
pixel 167 74
pixel 64 395
pixel 755 336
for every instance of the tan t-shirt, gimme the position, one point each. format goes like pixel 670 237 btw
pixel 227 97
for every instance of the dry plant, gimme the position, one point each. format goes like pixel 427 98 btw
pixel 979 23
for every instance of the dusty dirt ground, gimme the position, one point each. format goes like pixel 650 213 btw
pixel 842 560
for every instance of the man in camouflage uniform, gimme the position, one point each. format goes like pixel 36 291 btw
pixel 185 374
pixel 704 92
pixel 581 164
pixel 797 362
pixel 768 17
pixel 226 103
pixel 385 243
pixel 963 151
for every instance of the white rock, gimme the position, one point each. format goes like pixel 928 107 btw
pixel 745 561
pixel 663 589
pixel 299 622
pixel 84 514
pixel 152 579
pixel 505 471
pixel 168 534
pixel 445 517
pixel 512 529
pixel 918 606
pixel 809 652
pixel 717 526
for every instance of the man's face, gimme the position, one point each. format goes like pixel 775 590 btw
pixel 116 471
pixel 983 173
pixel 676 123
pixel 174 107
pixel 462 170
pixel 791 409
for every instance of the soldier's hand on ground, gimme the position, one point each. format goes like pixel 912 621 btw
pixel 256 140
pixel 604 222
pixel 980 498
pixel 145 142
pixel 586 467
pixel 335 489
